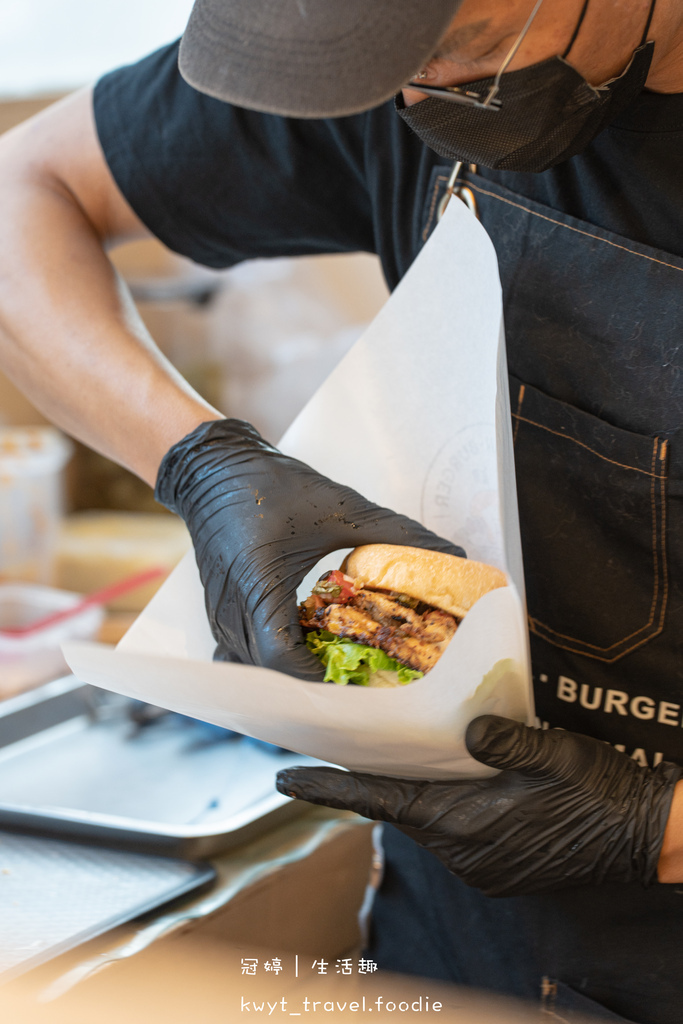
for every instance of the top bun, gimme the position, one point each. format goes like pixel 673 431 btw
pixel 445 581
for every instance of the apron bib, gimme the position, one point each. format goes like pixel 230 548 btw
pixel 594 330
pixel 594 327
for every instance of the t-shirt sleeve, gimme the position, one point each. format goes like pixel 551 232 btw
pixel 221 184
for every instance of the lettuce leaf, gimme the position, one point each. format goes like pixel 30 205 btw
pixel 348 662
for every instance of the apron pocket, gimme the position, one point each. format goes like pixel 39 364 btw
pixel 593 520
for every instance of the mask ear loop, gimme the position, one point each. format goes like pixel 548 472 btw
pixel 462 192
pixel 466 194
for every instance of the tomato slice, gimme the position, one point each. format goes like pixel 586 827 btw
pixel 335 587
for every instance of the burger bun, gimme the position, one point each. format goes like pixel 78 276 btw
pixel 444 581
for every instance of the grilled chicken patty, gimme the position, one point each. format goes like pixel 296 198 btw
pixel 380 619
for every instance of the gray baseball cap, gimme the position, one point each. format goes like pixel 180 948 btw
pixel 309 58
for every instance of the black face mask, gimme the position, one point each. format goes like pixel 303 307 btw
pixel 548 113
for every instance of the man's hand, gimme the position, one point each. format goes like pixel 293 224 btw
pixel 260 521
pixel 565 810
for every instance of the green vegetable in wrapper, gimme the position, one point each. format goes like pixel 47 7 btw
pixel 349 662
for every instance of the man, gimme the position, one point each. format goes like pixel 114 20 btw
pixel 281 139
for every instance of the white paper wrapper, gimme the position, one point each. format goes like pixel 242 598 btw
pixel 415 417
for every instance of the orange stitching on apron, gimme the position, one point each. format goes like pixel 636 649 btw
pixel 432 207
pixel 549 999
pixel 665 564
pixel 568 437
pixel 654 535
pixel 578 645
pixel 534 623
pixel 553 636
pixel 517 416
pixel 569 227
pixel 596 647
pixel 583 643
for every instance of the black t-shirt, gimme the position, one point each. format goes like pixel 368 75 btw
pixel 220 184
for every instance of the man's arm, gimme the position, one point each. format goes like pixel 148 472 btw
pixel 71 339
pixel 70 336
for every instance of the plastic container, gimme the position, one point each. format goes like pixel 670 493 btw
pixel 32 460
pixel 35 658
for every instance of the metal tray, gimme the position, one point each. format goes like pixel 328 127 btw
pixel 55 895
pixel 78 762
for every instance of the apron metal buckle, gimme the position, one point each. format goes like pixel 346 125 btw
pixel 460 190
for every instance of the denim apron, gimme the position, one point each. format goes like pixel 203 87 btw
pixel 594 327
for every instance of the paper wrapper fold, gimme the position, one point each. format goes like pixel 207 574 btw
pixel 415 417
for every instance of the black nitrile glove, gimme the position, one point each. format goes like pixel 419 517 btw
pixel 260 521
pixel 565 810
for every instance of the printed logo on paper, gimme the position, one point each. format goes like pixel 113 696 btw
pixel 460 493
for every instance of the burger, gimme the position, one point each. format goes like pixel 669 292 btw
pixel 386 617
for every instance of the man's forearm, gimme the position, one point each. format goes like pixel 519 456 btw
pixel 70 336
